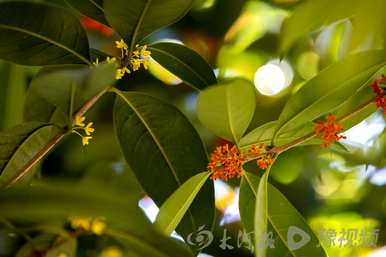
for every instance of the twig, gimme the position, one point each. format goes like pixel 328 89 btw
pixel 280 149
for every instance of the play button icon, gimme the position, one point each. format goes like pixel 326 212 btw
pixel 293 236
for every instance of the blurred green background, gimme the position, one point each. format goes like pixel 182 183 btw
pixel 334 191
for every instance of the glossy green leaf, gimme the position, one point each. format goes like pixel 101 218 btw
pixel 175 207
pixel 281 215
pixel 134 20
pixel 185 63
pixel 354 115
pixel 31 39
pixel 329 89
pixel 55 202
pixel 228 108
pixel 260 135
pixel 21 146
pixel 10 139
pixel 91 8
pixel 164 151
pixel 49 96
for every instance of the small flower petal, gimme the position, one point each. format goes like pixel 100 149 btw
pixel 79 121
pixel 85 140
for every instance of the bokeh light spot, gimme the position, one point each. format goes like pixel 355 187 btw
pixel 269 79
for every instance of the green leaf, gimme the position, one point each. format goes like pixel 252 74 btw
pixel 164 151
pixel 329 89
pixel 260 135
pixel 91 8
pixel 21 147
pixel 261 217
pixel 185 63
pixel 281 217
pixel 10 139
pixel 350 108
pixel 306 18
pixel 175 207
pixel 227 108
pixel 55 202
pixel 43 39
pixel 49 96
pixel 134 20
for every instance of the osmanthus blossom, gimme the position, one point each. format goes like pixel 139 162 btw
pixel 329 130
pixel 226 162
pixel 380 93
pixel 131 62
pixel 96 226
pixel 80 128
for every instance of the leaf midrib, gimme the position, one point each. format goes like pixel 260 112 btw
pixel 159 147
pixel 25 138
pixel 229 114
pixel 82 58
pixel 97 5
pixel 155 139
pixel 138 25
pixel 189 199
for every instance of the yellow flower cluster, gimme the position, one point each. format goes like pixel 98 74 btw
pixel 139 56
pixel 79 125
pixel 129 61
pixel 96 225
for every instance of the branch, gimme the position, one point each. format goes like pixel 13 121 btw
pixel 280 149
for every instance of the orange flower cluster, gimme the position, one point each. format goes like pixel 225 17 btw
pixel 264 159
pixel 380 98
pixel 97 26
pixel 328 130
pixel 226 163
